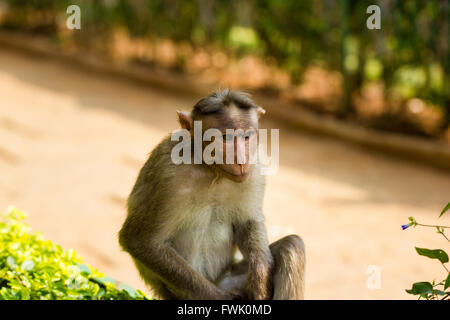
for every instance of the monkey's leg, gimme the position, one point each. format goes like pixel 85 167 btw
pixel 289 268
pixel 288 273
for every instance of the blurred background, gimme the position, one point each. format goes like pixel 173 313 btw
pixel 72 139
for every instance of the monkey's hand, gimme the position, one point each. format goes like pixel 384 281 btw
pixel 259 285
pixel 236 294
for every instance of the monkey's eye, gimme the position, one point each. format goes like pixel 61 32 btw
pixel 228 137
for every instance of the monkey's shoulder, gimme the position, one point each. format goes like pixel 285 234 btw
pixel 159 163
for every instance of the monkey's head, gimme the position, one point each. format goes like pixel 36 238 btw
pixel 224 110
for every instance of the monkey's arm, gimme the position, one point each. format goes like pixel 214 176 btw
pixel 251 239
pixel 172 269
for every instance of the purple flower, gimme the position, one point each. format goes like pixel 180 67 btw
pixel 405 226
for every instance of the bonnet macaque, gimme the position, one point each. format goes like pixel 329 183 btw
pixel 186 221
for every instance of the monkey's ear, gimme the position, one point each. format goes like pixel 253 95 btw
pixel 185 120
pixel 260 111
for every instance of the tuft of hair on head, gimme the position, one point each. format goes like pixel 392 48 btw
pixel 218 100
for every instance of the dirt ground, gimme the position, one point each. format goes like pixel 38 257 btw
pixel 72 142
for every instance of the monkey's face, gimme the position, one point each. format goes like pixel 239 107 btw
pixel 238 123
pixel 239 141
pixel 238 150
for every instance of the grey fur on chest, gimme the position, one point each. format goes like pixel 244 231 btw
pixel 207 243
pixel 205 215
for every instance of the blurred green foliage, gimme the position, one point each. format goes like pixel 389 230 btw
pixel 409 55
pixel 37 269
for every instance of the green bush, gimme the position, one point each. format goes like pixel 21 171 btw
pixel 34 268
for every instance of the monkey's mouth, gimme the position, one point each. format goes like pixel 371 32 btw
pixel 235 172
pixel 237 177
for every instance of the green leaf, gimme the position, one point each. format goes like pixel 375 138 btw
pixel 438 292
pixel 25 294
pixel 128 289
pixel 11 262
pixel 104 281
pixel 438 254
pixel 27 265
pixel 445 209
pixel 84 269
pixel 447 282
pixel 421 288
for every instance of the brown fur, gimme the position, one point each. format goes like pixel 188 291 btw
pixel 186 221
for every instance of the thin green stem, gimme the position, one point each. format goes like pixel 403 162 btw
pixel 429 225
pixel 445 267
pixel 444 236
